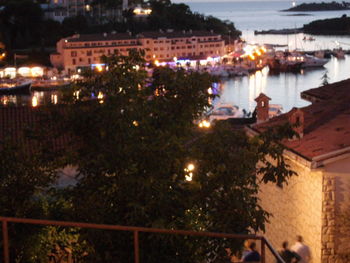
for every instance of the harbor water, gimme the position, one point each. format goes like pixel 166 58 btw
pixel 283 88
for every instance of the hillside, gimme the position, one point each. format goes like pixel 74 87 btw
pixel 312 7
pixel 333 26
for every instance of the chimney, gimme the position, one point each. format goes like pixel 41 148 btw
pixel 262 108
pixel 296 119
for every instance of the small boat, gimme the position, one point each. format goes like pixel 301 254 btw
pixel 9 87
pixel 311 61
pixel 284 64
pixel 309 38
pixel 224 112
pixel 275 110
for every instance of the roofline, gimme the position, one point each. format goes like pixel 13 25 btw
pixel 332 156
pixel 314 162
pixel 289 149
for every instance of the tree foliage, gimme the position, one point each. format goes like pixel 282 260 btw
pixel 24 179
pixel 131 146
pixel 132 136
pixel 167 15
pixel 23 25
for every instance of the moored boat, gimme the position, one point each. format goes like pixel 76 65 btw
pixel 311 61
pixel 224 112
pixel 15 87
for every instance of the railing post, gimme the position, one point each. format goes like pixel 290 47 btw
pixel 263 254
pixel 136 247
pixel 5 237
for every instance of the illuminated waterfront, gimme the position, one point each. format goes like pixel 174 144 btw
pixel 283 88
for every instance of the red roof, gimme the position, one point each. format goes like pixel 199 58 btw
pixel 326 123
pixel 262 96
pixel 341 88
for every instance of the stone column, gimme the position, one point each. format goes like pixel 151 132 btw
pixel 328 220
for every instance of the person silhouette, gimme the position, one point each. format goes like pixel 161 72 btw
pixel 252 255
pixel 302 250
pixel 287 255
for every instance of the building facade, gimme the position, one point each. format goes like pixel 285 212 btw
pixel 316 203
pixel 85 50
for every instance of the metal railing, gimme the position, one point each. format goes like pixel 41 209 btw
pixel 5 220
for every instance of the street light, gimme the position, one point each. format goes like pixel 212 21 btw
pixel 189 170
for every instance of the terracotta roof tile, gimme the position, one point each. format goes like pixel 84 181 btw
pixel 327 92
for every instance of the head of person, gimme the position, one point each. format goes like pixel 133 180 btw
pixel 285 244
pixel 299 238
pixel 252 245
pixel 246 243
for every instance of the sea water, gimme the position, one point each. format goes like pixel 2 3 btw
pixel 283 88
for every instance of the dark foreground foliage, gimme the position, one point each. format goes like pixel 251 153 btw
pixel 131 147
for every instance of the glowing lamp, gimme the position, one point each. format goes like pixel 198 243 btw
pixel 37 71
pixel 24 71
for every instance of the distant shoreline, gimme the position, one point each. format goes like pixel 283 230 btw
pixel 285 31
pixel 298 15
pixel 334 26
pixel 317 7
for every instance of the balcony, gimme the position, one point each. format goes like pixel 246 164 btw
pixel 135 231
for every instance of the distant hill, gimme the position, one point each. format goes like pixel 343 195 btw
pixel 334 26
pixel 312 7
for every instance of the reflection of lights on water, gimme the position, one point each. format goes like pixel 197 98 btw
pixel 265 71
pixel 34 101
pixel 76 94
pixel 6 100
pixel 54 99
pixel 336 68
pixel 257 84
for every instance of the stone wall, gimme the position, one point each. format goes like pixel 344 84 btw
pixel 296 210
pixel 336 212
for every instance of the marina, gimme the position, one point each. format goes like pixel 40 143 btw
pixel 284 87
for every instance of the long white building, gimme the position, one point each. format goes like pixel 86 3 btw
pixel 80 51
